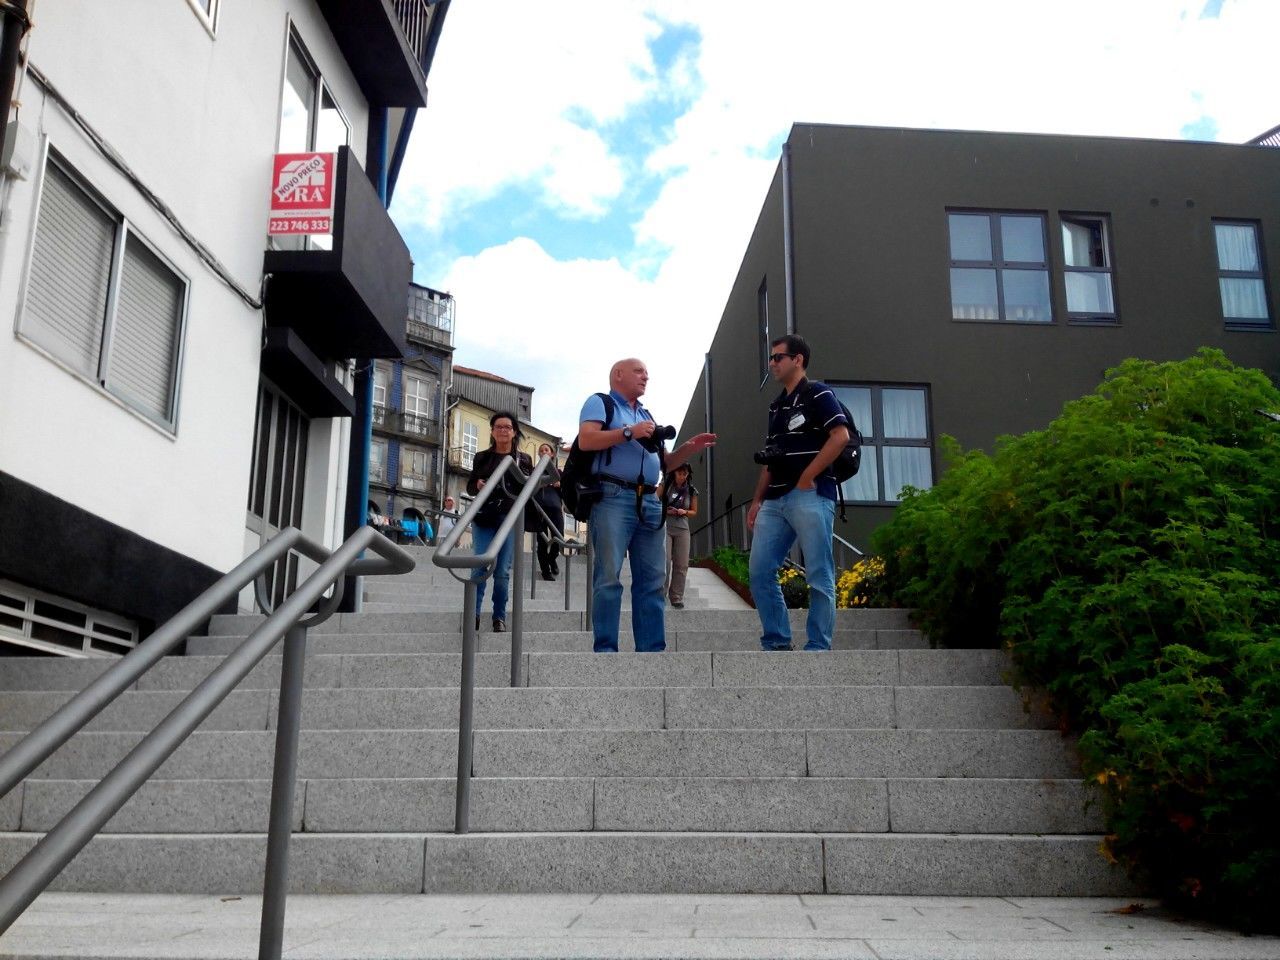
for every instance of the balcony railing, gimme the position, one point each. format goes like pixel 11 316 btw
pixel 380 415
pixel 429 333
pixel 415 19
pixel 461 459
pixel 414 425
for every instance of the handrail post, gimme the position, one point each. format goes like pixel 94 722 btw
pixel 517 607
pixel 275 885
pixel 568 571
pixel 466 719
pixel 533 574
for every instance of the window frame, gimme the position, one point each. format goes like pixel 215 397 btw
pixel 762 318
pixel 384 450
pixel 208 18
pixel 875 438
pixel 470 443
pixel 292 38
pixel 124 231
pixel 999 265
pixel 1085 317
pixel 427 396
pixel 1244 323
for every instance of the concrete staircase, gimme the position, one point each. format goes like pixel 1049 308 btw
pixel 882 767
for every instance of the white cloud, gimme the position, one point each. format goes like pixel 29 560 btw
pixel 514 90
pixel 514 97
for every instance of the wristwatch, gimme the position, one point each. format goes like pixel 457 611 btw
pixel 626 433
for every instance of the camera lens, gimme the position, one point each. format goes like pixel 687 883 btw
pixel 664 433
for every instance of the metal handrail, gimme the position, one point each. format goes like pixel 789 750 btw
pixel 571 547
pixel 73 832
pixel 446 558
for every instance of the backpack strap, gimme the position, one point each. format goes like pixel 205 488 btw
pixel 610 408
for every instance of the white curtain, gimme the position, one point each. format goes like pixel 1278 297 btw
pixel 1237 246
pixel 904 417
pixel 906 465
pixel 1243 299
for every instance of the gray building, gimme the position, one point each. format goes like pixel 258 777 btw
pixel 406 465
pixel 970 283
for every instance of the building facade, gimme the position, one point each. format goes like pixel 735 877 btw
pixel 406 457
pixel 475 397
pixel 175 387
pixel 969 284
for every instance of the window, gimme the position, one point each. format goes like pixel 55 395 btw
pixel 309 120
pixel 378 461
pixel 1241 281
pixel 897 443
pixel 419 395
pixel 470 443
pixel 762 314
pixel 101 301
pixel 1086 267
pixel 381 380
pixel 998 267
pixel 417 466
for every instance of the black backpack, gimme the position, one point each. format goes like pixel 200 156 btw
pixel 579 488
pixel 846 465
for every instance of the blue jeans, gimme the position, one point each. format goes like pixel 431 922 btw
pixel 483 538
pixel 804 516
pixel 616 531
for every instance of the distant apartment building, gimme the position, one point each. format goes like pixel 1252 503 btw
pixel 970 283
pixel 406 457
pixel 176 386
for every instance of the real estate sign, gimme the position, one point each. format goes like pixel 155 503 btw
pixel 302 193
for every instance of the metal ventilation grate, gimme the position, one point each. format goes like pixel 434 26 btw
pixel 42 621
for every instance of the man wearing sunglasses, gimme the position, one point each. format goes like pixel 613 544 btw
pixel 795 497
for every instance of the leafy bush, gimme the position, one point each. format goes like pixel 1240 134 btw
pixel 1128 556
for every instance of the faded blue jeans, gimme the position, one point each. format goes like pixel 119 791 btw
pixel 615 532
pixel 483 539
pixel 806 517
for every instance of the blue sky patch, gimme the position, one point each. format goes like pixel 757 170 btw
pixel 1206 128
pixel 1212 9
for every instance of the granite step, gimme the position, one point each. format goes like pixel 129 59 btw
pixel 335 754
pixel 563 804
pixel 598 862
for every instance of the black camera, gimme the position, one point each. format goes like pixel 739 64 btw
pixel 659 436
pixel 769 455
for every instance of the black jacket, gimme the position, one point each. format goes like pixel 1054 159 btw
pixel 501 500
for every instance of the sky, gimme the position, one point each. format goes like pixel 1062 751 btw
pixel 587 174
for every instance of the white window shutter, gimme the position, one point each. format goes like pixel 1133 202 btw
pixel 144 337
pixel 70 273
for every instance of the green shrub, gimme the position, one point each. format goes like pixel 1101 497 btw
pixel 1128 555
pixel 735 562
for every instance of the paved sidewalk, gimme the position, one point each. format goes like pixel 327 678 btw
pixel 644 927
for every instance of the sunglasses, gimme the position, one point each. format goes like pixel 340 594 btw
pixel 779 357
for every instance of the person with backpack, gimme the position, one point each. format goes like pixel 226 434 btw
pixel 626 516
pixel 504 430
pixel 795 497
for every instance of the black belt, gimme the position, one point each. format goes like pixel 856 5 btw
pixel 629 484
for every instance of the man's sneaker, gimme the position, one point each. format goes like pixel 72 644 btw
pixel 678 604
pixel 499 626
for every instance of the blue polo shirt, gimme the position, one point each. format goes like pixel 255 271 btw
pixel 624 460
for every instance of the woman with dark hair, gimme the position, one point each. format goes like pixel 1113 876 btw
pixel 504 433
pixel 548 497
pixel 681 501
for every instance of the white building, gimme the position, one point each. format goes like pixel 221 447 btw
pixel 162 408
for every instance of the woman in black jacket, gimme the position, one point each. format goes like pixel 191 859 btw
pixel 504 431
pixel 548 497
